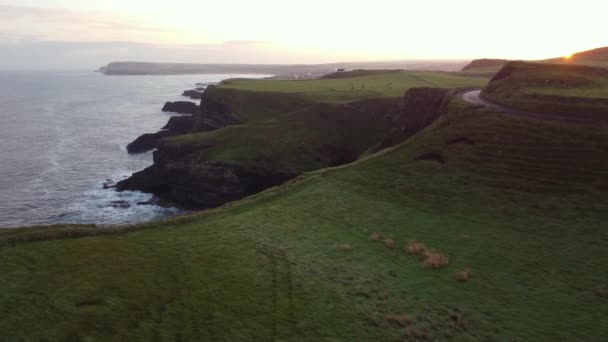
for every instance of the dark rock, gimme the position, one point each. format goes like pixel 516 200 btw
pixel 417 109
pixel 145 203
pixel 108 184
pixel 182 107
pixel 203 184
pixel 181 124
pixel 193 94
pixel 147 142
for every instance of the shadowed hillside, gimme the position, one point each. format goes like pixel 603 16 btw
pixel 570 90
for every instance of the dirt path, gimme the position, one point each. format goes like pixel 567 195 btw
pixel 474 97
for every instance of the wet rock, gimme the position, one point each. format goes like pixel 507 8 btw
pixel 181 124
pixel 147 142
pixel 181 107
pixel 193 94
pixel 108 184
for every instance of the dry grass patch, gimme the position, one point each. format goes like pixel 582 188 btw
pixel 417 333
pixel 389 243
pixel 345 247
pixel 414 247
pixel 434 259
pixel 463 276
pixel 400 320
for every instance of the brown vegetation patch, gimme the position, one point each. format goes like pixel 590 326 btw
pixel 418 333
pixel 389 243
pixel 345 247
pixel 463 276
pixel 399 320
pixel 460 319
pixel 375 237
pixel 414 247
pixel 434 259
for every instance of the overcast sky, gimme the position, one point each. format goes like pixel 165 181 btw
pixel 42 34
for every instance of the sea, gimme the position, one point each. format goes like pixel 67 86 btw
pixel 63 134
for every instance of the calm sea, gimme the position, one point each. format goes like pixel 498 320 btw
pixel 62 134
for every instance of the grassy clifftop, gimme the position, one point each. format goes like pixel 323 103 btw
pixel 519 203
pixel 579 91
pixel 373 84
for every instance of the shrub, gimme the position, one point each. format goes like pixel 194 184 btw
pixel 414 247
pixel 345 247
pixel 374 237
pixel 433 259
pixel 463 276
pixel 389 243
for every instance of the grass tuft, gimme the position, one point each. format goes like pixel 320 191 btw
pixel 345 247
pixel 389 243
pixel 399 320
pixel 463 276
pixel 414 247
pixel 434 259
pixel 375 237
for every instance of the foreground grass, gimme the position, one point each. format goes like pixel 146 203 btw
pixel 340 90
pixel 520 203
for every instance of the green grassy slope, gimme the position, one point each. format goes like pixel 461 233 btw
pixel 594 58
pixel 346 89
pixel 521 203
pixel 291 126
pixel 549 88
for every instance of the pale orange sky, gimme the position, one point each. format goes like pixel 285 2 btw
pixel 314 30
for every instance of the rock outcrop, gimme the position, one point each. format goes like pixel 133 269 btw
pixel 210 115
pixel 417 109
pixel 182 175
pixel 193 94
pixel 147 142
pixel 181 107
pixel 203 185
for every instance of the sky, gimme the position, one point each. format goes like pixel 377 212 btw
pixel 55 34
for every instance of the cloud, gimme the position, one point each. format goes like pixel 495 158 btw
pixel 67 25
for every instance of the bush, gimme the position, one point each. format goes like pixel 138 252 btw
pixel 389 243
pixel 433 259
pixel 414 247
pixel 463 276
pixel 345 247
pixel 374 237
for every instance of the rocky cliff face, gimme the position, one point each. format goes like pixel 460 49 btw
pixel 417 109
pixel 181 176
pixel 210 115
pixel 199 185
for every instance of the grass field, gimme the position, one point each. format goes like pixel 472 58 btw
pixel 520 203
pixel 339 90
pixel 568 90
pixel 301 125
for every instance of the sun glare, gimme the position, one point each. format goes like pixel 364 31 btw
pixel 568 56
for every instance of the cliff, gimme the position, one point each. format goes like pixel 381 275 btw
pixel 268 139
